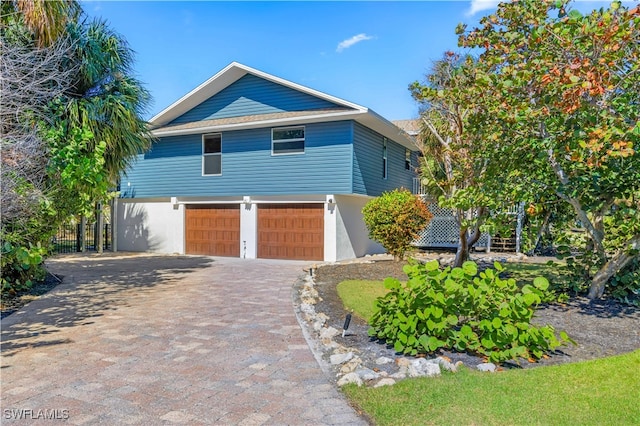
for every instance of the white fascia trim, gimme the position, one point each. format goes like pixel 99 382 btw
pixel 386 128
pixel 366 118
pixel 213 85
pixel 224 78
pixel 318 118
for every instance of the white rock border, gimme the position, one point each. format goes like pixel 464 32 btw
pixel 344 362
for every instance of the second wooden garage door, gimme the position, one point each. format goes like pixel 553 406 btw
pixel 291 231
pixel 213 230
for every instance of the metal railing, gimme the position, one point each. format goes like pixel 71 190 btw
pixel 70 239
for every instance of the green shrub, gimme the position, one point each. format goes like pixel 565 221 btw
pixel 21 266
pixel 395 220
pixel 625 285
pixel 462 309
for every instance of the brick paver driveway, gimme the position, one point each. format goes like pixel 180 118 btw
pixel 165 339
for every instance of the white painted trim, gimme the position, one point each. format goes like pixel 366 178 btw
pixel 385 158
pixel 291 121
pixel 248 231
pixel 253 202
pixel 210 202
pixel 330 215
pixel 303 139
pixel 234 71
pixel 211 154
pixel 389 131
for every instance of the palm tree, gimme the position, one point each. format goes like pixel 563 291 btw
pixel 105 97
pixel 46 20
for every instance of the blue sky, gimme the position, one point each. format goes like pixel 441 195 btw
pixel 363 52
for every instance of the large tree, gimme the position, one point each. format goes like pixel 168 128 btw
pixel 104 96
pixel 71 122
pixel 452 169
pixel 561 99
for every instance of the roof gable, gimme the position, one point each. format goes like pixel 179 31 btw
pixel 253 95
pixel 225 78
pixel 205 109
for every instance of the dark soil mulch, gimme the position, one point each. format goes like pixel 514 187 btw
pixel 600 328
pixel 11 304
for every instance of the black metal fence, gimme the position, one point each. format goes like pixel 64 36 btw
pixel 69 238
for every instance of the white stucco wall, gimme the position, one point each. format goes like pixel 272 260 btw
pixel 248 230
pixel 158 226
pixel 352 235
pixel 330 236
pixel 150 226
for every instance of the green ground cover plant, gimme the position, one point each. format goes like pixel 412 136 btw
pixel 466 310
pixel 598 392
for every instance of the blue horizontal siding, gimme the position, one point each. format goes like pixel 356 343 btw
pixel 367 164
pixel 252 95
pixel 173 167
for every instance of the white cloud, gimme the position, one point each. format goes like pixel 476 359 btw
pixel 480 5
pixel 345 44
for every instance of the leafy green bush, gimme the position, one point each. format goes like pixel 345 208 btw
pixel 581 267
pixel 464 310
pixel 625 286
pixel 395 220
pixel 20 267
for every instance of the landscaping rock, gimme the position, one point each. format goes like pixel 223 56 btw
pixel 351 366
pixel 340 358
pixel 422 367
pixel 487 366
pixel 307 308
pixel 403 362
pixel 329 333
pixel 367 374
pixel 399 375
pixel 383 360
pixel 447 365
pixel 350 378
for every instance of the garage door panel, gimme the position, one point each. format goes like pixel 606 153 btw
pixel 213 230
pixel 291 231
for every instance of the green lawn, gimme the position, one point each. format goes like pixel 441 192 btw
pixel 524 273
pixel 600 392
pixel 359 296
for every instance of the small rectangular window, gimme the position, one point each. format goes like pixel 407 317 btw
pixel 407 159
pixel 384 158
pixel 287 140
pixel 212 154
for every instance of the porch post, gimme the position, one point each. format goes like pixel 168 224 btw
pixel 519 226
pixel 99 227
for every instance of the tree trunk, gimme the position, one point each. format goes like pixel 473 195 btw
pixel 541 230
pixel 468 237
pixel 615 264
pixel 462 253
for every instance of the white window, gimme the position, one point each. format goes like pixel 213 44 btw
pixel 407 159
pixel 384 158
pixel 287 140
pixel 212 154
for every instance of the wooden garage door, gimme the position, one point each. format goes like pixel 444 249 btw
pixel 213 230
pixel 291 231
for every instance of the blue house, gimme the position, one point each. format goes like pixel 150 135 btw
pixel 251 165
